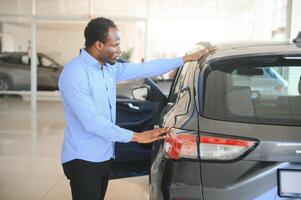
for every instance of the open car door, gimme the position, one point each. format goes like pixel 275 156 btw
pixel 139 113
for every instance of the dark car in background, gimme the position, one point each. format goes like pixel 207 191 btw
pixel 15 72
pixel 236 118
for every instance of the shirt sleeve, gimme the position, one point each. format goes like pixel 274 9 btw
pixel 273 74
pixel 280 80
pixel 127 71
pixel 73 85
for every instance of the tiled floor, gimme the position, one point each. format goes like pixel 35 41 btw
pixel 29 155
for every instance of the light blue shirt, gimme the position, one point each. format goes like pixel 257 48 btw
pixel 272 73
pixel 88 92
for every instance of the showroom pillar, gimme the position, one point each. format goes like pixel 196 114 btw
pixel 296 18
pixel 146 34
pixel 289 11
pixel 33 67
pixel 146 56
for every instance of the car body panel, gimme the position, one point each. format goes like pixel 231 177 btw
pixel 17 71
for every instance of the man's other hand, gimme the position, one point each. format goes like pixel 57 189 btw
pixel 151 136
pixel 199 54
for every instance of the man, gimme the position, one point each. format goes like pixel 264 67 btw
pixel 88 89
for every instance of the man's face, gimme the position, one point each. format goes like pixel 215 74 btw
pixel 111 49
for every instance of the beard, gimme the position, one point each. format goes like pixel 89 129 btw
pixel 110 61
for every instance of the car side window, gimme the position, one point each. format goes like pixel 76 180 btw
pixel 45 62
pixel 12 59
pixel 21 59
pixel 4 59
pixel 178 83
pixel 124 88
pixel 25 60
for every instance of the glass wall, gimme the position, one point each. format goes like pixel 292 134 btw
pixel 279 22
pixel 62 8
pixel 120 8
pixel 15 36
pixel 174 26
pixel 149 28
pixel 69 39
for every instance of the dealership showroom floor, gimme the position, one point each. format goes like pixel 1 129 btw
pixel 30 146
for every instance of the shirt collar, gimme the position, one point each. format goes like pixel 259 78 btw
pixel 89 60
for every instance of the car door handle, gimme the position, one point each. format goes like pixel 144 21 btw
pixel 131 106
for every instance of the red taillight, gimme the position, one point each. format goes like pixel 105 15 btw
pixel 182 144
pixel 224 141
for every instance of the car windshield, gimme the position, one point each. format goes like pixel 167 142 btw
pixel 256 90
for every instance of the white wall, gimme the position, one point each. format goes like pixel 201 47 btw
pixel 262 20
pixel 60 42
pixel 16 37
pixel 132 36
pixel 63 40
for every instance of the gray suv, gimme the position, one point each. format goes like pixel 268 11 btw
pixel 236 118
pixel 15 72
pixel 237 127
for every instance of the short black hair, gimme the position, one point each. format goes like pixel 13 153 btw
pixel 97 30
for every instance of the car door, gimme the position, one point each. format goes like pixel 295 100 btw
pixel 132 159
pixel 48 73
pixel 14 72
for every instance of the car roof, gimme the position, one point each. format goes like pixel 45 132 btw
pixel 244 49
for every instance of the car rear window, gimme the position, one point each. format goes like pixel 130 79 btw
pixel 263 90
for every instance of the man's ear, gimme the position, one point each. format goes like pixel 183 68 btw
pixel 99 45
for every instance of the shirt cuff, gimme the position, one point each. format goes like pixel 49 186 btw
pixel 126 135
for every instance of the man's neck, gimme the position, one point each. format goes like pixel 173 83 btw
pixel 94 54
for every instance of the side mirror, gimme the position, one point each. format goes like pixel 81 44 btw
pixel 140 93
